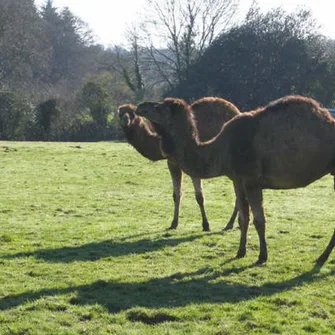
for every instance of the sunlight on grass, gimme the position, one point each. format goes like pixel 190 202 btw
pixel 84 250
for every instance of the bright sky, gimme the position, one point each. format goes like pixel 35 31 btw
pixel 110 18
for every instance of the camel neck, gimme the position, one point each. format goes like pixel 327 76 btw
pixel 199 159
pixel 144 140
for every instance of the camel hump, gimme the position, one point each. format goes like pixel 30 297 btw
pixel 296 104
pixel 210 114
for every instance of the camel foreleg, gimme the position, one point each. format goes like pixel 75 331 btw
pixel 176 176
pixel 200 200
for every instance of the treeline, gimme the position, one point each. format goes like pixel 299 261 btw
pixel 56 83
pixel 268 56
pixel 53 81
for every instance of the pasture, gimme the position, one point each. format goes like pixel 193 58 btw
pixel 84 250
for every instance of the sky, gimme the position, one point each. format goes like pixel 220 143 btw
pixel 109 19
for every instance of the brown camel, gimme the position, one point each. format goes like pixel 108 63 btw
pixel 288 144
pixel 210 114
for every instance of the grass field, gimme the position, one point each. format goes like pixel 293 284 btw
pixel 84 250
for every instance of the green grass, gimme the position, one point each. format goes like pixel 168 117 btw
pixel 84 250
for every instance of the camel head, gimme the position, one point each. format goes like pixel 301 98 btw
pixel 126 114
pixel 145 108
pixel 165 113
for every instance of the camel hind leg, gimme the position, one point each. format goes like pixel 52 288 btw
pixel 322 259
pixel 243 217
pixel 230 224
pixel 200 200
pixel 176 176
pixel 324 256
pixel 255 198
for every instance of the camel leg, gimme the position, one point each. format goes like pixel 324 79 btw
pixel 321 260
pixel 230 224
pixel 200 200
pixel 243 217
pixel 255 198
pixel 176 176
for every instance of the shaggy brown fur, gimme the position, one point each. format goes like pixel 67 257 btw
pixel 288 144
pixel 140 133
pixel 210 113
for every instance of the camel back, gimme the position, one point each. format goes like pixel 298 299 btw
pixel 286 144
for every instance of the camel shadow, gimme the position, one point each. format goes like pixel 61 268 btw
pixel 108 248
pixel 178 290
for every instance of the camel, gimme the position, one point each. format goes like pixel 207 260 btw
pixel 210 114
pixel 287 144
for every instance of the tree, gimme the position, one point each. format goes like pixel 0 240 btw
pixel 46 113
pixel 69 39
pixel 164 46
pixel 23 56
pixel 15 112
pixel 95 98
pixel 183 29
pixel 268 56
pixel 127 64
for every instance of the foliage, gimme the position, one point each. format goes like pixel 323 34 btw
pixel 183 29
pixel 50 54
pixel 23 53
pixel 15 114
pixel 167 42
pixel 84 250
pixel 270 55
pixel 69 39
pixel 95 97
pixel 46 113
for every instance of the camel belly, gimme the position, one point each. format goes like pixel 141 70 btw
pixel 286 183
pixel 282 175
pixel 202 172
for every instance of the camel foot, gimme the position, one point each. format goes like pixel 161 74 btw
pixel 260 263
pixel 205 226
pixel 319 262
pixel 228 227
pixel 174 225
pixel 261 259
pixel 241 253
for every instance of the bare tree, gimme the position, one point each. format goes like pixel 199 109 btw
pixel 164 45
pixel 126 62
pixel 178 31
